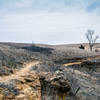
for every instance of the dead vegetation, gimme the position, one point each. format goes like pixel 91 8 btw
pixel 80 63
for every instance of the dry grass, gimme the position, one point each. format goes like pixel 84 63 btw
pixel 22 72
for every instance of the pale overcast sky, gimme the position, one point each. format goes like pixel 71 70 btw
pixel 48 21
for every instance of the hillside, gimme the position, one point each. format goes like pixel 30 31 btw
pixel 50 72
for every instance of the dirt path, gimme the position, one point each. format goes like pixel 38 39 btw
pixel 22 72
pixel 82 60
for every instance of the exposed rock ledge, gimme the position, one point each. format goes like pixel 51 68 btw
pixel 34 86
pixel 54 87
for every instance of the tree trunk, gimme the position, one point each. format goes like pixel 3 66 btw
pixel 91 47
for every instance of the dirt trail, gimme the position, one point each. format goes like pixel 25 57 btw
pixel 82 60
pixel 22 72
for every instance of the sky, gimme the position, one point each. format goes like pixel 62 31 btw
pixel 48 21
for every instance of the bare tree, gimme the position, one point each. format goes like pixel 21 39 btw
pixel 91 38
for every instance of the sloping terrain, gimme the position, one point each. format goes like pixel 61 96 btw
pixel 22 72
pixel 49 72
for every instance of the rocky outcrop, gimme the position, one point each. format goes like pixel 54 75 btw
pixel 34 86
pixel 54 87
pixel 27 87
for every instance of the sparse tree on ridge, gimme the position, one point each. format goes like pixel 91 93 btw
pixel 91 38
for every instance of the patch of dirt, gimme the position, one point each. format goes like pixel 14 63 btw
pixel 22 72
